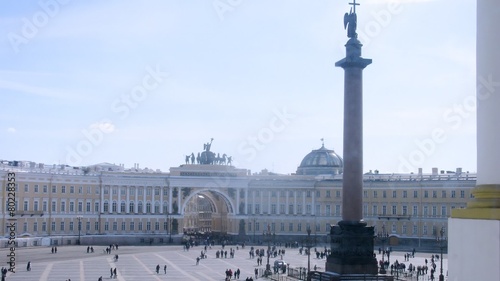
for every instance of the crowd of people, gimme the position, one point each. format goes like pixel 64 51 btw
pixel 398 268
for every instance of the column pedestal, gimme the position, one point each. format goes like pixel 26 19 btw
pixel 352 249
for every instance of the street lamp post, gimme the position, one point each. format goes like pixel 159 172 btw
pixel 308 245
pixel 79 218
pixel 267 235
pixel 254 230
pixel 440 239
pixel 383 237
pixel 169 227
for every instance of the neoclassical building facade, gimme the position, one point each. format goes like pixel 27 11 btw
pixel 103 200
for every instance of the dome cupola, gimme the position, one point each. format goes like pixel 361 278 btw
pixel 321 161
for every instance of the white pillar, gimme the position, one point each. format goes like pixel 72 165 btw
pixel 179 196
pixel 313 195
pixel 261 202
pixel 473 255
pixel 153 201
pixel 287 195
pixel 119 200
pixel 269 202
pixel 110 205
pixel 253 200
pixel 294 202
pixel 170 199
pixel 161 198
pixel 488 92
pixel 304 202
pixel 102 200
pixel 136 200
pixel 127 204
pixel 246 200
pixel 237 201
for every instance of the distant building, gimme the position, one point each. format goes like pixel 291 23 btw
pixel 107 199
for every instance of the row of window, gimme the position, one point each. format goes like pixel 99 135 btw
pixel 299 227
pixel 163 226
pixel 257 193
pixel 453 193
pixel 72 226
pixel 375 193
pixel 80 189
pixel 70 207
pixel 256 208
pixel 403 210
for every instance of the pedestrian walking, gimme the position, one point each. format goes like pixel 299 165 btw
pixel 157 269
pixel 165 269
pixel 28 266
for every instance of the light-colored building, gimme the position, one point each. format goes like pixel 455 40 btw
pixel 63 203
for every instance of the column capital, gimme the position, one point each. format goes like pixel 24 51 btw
pixel 353 56
pixel 485 205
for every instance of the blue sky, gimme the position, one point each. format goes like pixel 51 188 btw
pixel 84 82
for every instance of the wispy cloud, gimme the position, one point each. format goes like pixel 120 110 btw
pixel 37 90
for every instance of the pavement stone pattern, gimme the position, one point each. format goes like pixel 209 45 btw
pixel 138 263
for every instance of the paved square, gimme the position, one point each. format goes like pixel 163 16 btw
pixel 139 263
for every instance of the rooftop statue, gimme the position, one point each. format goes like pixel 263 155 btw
pixel 206 146
pixel 351 21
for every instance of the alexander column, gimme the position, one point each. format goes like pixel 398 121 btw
pixel 351 239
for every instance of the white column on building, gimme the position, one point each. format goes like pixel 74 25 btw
pixel 246 200
pixel 144 198
pixel 161 198
pixel 287 195
pixel 313 207
pixel 110 205
pixel 294 202
pixel 237 201
pixel 304 202
pixel 179 196
pixel 127 202
pixel 136 200
pixel 253 202
pixel 170 190
pixel 102 200
pixel 482 212
pixel 153 199
pixel 261 201
pixel 119 201
pixel 269 201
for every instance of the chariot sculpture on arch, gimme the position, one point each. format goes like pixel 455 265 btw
pixel 207 157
